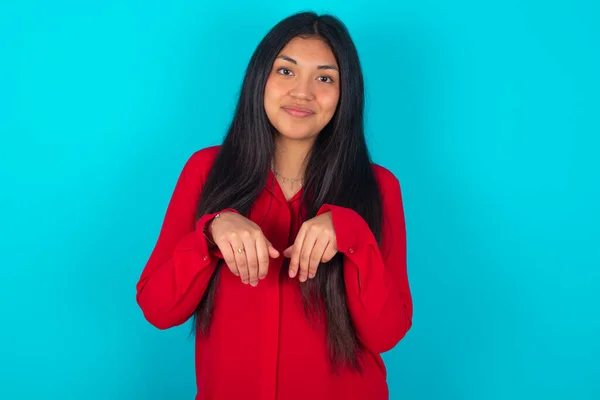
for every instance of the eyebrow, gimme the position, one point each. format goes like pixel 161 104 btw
pixel 289 59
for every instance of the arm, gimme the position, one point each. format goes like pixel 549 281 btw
pixel 377 288
pixel 181 263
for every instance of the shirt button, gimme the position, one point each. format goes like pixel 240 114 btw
pixel 205 258
pixel 350 250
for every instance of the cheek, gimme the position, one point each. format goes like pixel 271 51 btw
pixel 268 94
pixel 272 101
pixel 329 101
pixel 273 90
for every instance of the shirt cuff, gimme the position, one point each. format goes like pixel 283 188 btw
pixel 349 226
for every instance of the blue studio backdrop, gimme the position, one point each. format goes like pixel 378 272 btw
pixel 487 112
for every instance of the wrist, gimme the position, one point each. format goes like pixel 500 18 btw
pixel 208 231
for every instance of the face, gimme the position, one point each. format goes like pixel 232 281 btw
pixel 302 91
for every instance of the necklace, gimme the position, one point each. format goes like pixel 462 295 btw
pixel 292 181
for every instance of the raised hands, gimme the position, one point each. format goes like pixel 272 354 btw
pixel 244 247
pixel 315 243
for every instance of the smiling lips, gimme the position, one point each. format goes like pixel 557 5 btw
pixel 298 111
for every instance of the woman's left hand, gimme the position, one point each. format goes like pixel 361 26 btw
pixel 315 243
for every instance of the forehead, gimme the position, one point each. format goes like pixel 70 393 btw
pixel 309 51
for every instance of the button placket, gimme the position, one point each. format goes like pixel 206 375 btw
pixel 277 229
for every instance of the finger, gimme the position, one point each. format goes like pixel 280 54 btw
pixel 295 256
pixel 272 250
pixel 251 259
pixel 329 252
pixel 315 257
pixel 228 257
pixel 307 247
pixel 262 254
pixel 287 253
pixel 240 258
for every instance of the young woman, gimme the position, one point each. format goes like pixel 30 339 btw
pixel 286 244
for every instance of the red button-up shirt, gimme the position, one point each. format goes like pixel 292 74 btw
pixel 261 344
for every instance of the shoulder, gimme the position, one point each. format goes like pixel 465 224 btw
pixel 199 163
pixel 389 185
pixel 385 177
pixel 205 156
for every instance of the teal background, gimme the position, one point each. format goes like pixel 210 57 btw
pixel 487 112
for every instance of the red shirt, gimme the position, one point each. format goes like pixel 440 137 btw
pixel 261 344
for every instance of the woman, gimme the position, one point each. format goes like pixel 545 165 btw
pixel 286 244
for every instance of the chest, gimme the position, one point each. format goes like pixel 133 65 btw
pixel 289 192
pixel 279 220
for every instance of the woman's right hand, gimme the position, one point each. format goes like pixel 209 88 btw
pixel 245 248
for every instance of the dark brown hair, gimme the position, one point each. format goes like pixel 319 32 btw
pixel 339 171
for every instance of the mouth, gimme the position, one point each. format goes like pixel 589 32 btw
pixel 297 111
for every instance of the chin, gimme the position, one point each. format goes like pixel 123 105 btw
pixel 297 134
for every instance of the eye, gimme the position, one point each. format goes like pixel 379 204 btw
pixel 285 71
pixel 325 79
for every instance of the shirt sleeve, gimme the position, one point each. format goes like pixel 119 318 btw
pixel 179 268
pixel 377 287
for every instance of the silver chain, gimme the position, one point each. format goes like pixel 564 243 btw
pixel 293 181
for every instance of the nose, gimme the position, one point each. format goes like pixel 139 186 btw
pixel 302 89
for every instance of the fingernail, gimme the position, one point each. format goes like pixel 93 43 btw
pixel 311 275
pixel 253 284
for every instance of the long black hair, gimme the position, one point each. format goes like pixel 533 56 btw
pixel 338 171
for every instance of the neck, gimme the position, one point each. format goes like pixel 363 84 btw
pixel 290 157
